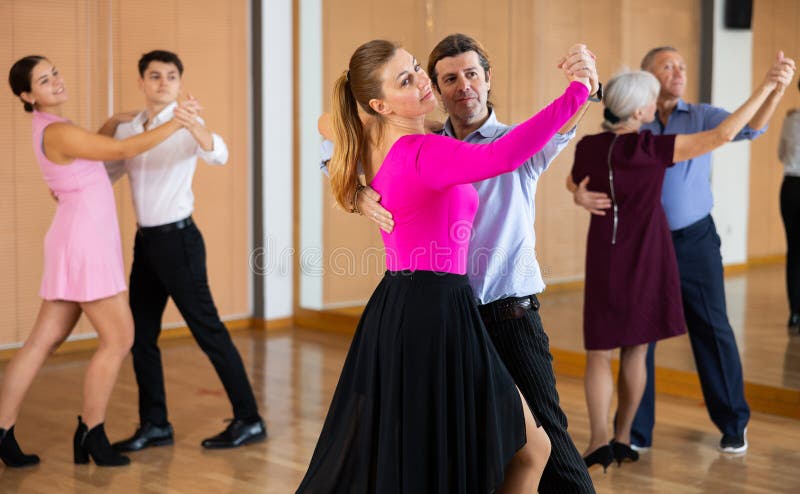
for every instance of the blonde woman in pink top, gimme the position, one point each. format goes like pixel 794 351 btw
pixel 424 403
pixel 83 271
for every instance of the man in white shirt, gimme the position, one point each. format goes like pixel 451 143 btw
pixel 169 259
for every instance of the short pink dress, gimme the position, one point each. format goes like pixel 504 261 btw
pixel 82 248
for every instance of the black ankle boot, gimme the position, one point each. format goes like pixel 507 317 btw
pixel 623 452
pixel 10 452
pixel 95 443
pixel 601 456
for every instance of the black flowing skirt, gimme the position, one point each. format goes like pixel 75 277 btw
pixel 424 403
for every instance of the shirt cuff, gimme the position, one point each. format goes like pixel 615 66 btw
pixel 568 135
pixel 218 154
pixel 325 153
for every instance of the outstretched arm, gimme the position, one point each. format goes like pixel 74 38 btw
pixel 580 61
pixel 187 116
pixel 64 142
pixel 443 162
pixel 781 72
pixel 109 127
pixel 211 147
pixel 688 146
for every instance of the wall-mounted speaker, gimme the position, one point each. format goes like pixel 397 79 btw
pixel 738 14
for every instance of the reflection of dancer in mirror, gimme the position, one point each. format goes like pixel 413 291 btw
pixel 789 153
pixel 83 270
pixel 687 201
pixel 424 403
pixel 461 75
pixel 169 260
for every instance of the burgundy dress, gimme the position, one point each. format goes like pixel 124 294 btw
pixel 632 293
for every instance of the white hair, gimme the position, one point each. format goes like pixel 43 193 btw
pixel 627 92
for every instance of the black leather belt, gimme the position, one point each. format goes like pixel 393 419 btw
pixel 508 308
pixel 169 227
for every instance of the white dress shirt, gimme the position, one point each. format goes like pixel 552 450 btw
pixel 161 178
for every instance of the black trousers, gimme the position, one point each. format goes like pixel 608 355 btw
pixel 790 212
pixel 525 350
pixel 173 264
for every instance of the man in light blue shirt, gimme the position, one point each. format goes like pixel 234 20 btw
pixel 687 201
pixel 502 266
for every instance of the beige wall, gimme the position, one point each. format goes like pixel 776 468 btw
pixel 211 38
pixel 525 40
pixel 776 26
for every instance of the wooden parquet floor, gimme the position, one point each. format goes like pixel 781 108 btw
pixel 294 373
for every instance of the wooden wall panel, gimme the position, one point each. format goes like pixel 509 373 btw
pixel 481 20
pixel 9 106
pixel 560 226
pixel 776 26
pixel 525 39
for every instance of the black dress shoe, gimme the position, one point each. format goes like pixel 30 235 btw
pixel 238 433
pixel 794 320
pixel 147 435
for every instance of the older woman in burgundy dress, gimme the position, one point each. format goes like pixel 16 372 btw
pixel 632 294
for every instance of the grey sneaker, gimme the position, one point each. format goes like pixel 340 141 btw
pixel 733 444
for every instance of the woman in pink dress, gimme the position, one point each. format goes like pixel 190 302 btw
pixel 424 403
pixel 83 270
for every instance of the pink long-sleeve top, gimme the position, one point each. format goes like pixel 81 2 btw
pixel 426 182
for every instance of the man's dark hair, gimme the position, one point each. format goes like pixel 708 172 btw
pixel 159 56
pixel 452 46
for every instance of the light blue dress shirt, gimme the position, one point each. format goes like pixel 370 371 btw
pixel 502 253
pixel 686 195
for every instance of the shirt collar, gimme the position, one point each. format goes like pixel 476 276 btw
pixel 161 117
pixel 489 129
pixel 681 106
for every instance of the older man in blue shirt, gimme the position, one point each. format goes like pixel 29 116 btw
pixel 687 200
pixel 502 267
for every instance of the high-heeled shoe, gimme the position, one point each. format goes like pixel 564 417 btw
pixel 10 452
pixel 623 452
pixel 601 456
pixel 95 443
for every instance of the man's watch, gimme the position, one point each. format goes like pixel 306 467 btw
pixel 598 95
